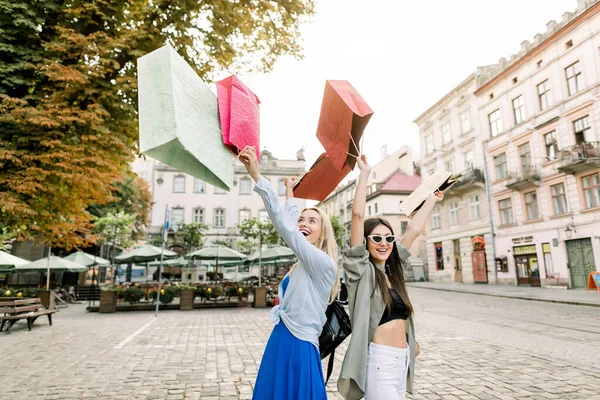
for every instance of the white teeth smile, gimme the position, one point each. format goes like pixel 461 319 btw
pixel 305 232
pixel 382 251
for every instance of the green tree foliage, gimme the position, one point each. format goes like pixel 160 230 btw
pixel 338 230
pixel 254 231
pixel 191 236
pixel 68 92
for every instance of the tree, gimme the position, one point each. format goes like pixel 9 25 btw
pixel 338 230
pixel 68 92
pixel 132 197
pixel 225 243
pixel 191 236
pixel 255 232
pixel 115 230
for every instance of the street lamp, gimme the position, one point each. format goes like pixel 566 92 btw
pixel 569 231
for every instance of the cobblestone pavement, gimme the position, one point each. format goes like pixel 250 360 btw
pixel 473 347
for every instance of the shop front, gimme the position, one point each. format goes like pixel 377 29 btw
pixel 527 265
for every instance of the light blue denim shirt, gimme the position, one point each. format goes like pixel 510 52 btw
pixel 302 309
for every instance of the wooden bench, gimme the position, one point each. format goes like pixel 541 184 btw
pixel 30 309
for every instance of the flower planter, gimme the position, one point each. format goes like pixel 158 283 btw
pixel 186 300
pixel 260 297
pixel 47 298
pixel 108 301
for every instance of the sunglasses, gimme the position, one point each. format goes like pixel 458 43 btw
pixel 378 239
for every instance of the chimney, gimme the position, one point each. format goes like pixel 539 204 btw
pixel 551 25
pixel 566 17
pixel 537 38
pixel 525 46
pixel 383 153
pixel 581 5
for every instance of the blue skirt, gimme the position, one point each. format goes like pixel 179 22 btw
pixel 290 369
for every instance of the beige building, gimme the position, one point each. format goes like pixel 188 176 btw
pixel 451 140
pixel 540 113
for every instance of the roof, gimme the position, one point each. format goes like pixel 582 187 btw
pixel 400 182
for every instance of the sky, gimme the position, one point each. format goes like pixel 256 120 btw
pixel 401 55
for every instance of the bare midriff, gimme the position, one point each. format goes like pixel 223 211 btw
pixel 392 333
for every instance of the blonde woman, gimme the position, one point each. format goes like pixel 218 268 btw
pixel 291 366
pixel 379 362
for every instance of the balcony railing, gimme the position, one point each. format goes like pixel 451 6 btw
pixel 527 178
pixel 579 158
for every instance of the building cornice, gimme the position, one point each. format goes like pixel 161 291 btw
pixel 445 99
pixel 550 40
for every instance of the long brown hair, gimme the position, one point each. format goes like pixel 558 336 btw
pixel 395 266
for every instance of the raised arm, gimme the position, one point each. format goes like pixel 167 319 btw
pixel 290 203
pixel 313 259
pixel 417 223
pixel 357 230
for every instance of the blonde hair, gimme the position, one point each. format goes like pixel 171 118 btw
pixel 328 245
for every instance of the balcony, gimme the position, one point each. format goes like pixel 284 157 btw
pixel 468 180
pixel 579 158
pixel 528 178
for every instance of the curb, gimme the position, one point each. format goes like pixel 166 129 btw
pixel 569 302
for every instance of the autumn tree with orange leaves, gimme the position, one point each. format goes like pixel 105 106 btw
pixel 68 100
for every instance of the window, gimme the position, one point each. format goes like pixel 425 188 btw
pixel 264 158
pixel 198 215
pixel 376 211
pixel 199 186
pixel 179 184
pixel 569 44
pixel 446 136
pixel 435 218
pixel 582 129
pixel 506 214
pixel 469 160
pixel 218 190
pixel 177 217
pixel 501 167
pixel 548 260
pixel 453 213
pixel 431 171
pixel 219 221
pixel 551 145
pixel 428 144
pixel 474 212
pixel 519 109
pixel 403 226
pixel 465 121
pixel 244 215
pixel 263 216
pixel 369 210
pixel 531 204
pixel 525 156
pixel 574 78
pixel 449 166
pixel 439 257
pixel 515 80
pixel 544 95
pixel 282 188
pixel 495 123
pixel 591 190
pixel 245 186
pixel 559 199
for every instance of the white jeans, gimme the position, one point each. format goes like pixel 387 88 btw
pixel 387 368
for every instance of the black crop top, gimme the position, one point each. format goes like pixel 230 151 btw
pixel 399 310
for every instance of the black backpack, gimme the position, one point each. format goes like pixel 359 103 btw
pixel 336 329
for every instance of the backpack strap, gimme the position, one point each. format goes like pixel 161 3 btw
pixel 330 366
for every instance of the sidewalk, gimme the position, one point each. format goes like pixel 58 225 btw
pixel 574 297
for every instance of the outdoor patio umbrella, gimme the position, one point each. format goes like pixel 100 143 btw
pixel 144 254
pixel 51 264
pixel 8 262
pixel 275 253
pixel 175 262
pixel 217 253
pixel 86 259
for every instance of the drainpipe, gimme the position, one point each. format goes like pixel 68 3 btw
pixel 489 199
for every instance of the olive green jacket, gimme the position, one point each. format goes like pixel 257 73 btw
pixel 365 314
